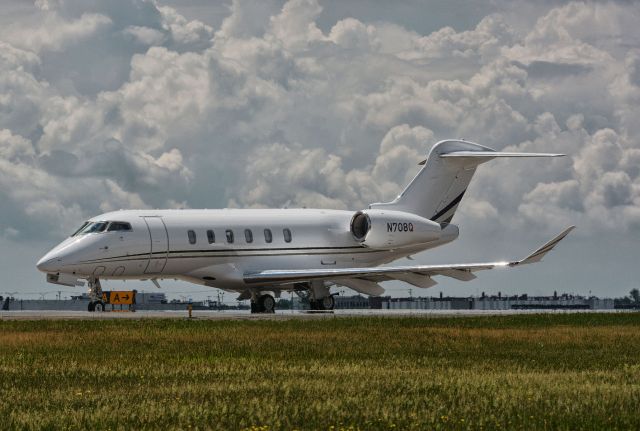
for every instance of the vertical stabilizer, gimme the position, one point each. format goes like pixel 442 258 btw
pixel 437 190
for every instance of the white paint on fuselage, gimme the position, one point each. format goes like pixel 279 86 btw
pixel 320 239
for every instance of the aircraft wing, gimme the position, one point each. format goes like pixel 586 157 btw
pixel 365 280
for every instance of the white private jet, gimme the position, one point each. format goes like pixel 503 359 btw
pixel 260 253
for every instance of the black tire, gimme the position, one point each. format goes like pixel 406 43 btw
pixel 267 304
pixel 91 306
pixel 327 303
pixel 254 307
pixel 98 306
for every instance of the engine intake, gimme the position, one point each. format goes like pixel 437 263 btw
pixel 360 225
pixel 389 229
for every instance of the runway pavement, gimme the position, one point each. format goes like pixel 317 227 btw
pixel 280 315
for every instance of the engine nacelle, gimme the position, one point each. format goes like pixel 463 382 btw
pixel 377 228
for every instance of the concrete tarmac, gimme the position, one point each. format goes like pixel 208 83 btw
pixel 279 315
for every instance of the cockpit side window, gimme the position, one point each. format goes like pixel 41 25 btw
pixel 119 226
pixel 93 227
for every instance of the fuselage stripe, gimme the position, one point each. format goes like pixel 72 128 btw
pixel 237 253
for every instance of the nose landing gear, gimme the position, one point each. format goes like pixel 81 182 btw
pixel 95 295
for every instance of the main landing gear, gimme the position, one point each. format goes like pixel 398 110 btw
pixel 326 303
pixel 95 295
pixel 263 304
pixel 318 295
pixel 320 298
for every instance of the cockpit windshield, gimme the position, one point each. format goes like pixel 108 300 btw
pixel 80 229
pixel 101 226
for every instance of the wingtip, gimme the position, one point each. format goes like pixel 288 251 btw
pixel 565 232
pixel 537 255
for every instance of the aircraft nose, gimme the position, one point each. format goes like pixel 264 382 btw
pixel 57 257
pixel 48 264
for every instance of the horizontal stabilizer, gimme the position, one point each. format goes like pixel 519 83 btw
pixel 497 154
pixel 488 155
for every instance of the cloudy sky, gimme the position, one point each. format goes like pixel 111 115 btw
pixel 195 104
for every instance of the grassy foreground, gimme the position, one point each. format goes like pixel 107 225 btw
pixel 577 371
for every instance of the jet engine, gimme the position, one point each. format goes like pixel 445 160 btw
pixel 389 229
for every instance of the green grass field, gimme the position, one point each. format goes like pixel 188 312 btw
pixel 571 371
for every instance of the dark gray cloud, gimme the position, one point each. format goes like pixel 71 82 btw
pixel 549 70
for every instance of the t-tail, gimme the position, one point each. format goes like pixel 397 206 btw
pixel 437 190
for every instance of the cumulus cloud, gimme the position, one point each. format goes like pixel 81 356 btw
pixel 107 105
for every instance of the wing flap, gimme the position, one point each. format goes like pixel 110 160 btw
pixel 362 286
pixel 459 274
pixel 417 280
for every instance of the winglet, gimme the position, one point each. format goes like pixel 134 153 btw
pixel 537 255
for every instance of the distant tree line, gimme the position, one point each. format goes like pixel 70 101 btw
pixel 630 301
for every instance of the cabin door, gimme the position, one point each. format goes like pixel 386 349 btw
pixel 159 248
